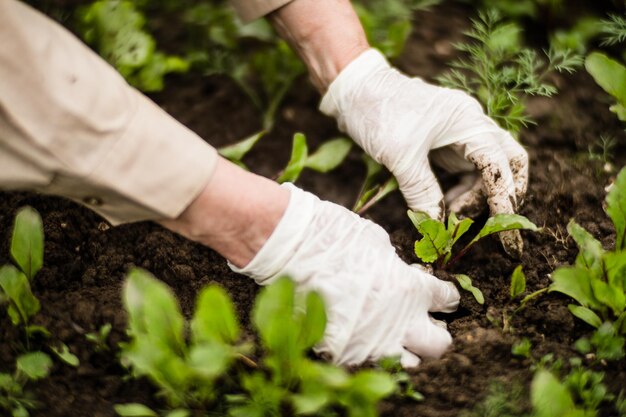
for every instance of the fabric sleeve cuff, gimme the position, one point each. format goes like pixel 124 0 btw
pixel 249 10
pixel 154 171
pixel 353 76
pixel 284 241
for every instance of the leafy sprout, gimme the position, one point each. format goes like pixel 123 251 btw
pixel 438 238
pixel 614 29
pixel 201 364
pixel 501 73
pixel 596 280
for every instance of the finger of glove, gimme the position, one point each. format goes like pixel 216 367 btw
pixel 451 159
pixel 497 178
pixel 444 296
pixel 470 203
pixel 421 191
pixel 518 162
pixel 409 360
pixel 427 340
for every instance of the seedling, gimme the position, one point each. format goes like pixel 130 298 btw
pixel 501 73
pixel 611 76
pixel 27 253
pixel 596 280
pixel 387 23
pixel 99 338
pixel 604 342
pixel 522 348
pixel 466 283
pixel 438 239
pixel 518 282
pixel 406 388
pixel 236 152
pixel 29 367
pixel 116 29
pixel 328 157
pixel 202 368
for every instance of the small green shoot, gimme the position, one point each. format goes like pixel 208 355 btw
pixel 204 367
pixel 522 348
pixel 99 338
pixel 466 283
pixel 63 352
pixel 29 367
pixel 518 282
pixel 327 157
pixel 604 342
pixel 501 73
pixel 117 30
pixel 236 152
pixel 438 238
pixel 596 281
pixel 406 388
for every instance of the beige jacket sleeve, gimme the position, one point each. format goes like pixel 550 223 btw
pixel 249 10
pixel 71 126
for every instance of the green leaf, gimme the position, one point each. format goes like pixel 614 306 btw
pixel 435 241
pixel 154 314
pixel 522 348
pixel 518 282
pixel 457 228
pixel 210 360
pixel 616 203
pixel 35 365
pixel 549 397
pixel 178 413
pixel 15 285
pixel 134 410
pixel 27 241
pixel 586 315
pixel 330 155
pixel 309 403
pixel 373 385
pixel 65 355
pixel 314 321
pixel 214 319
pixel 615 268
pixel 299 154
pixel 273 310
pixel 611 297
pixel 591 251
pixel 503 222
pixel 609 74
pixel 237 151
pixel 576 283
pixel 466 283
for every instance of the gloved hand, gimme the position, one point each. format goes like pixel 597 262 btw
pixel 398 120
pixel 377 305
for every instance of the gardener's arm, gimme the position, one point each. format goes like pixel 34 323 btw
pixel 398 120
pixel 71 126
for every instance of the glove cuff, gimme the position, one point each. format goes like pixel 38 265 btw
pixel 351 77
pixel 284 240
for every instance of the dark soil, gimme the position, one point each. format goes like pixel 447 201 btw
pixel 85 259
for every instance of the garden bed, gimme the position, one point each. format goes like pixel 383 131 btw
pixel 86 260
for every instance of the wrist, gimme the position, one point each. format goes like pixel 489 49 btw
pixel 327 35
pixel 235 214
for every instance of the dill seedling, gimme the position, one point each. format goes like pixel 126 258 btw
pixel 501 73
pixel 614 29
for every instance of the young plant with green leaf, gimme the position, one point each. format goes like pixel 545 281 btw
pixel 501 73
pixel 14 399
pixel 327 157
pixel 438 238
pixel 597 280
pixel 27 253
pixel 387 23
pixel 207 369
pixel 116 29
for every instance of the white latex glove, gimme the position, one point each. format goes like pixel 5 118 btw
pixel 398 120
pixel 377 305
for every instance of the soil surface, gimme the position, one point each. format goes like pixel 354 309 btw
pixel 86 259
